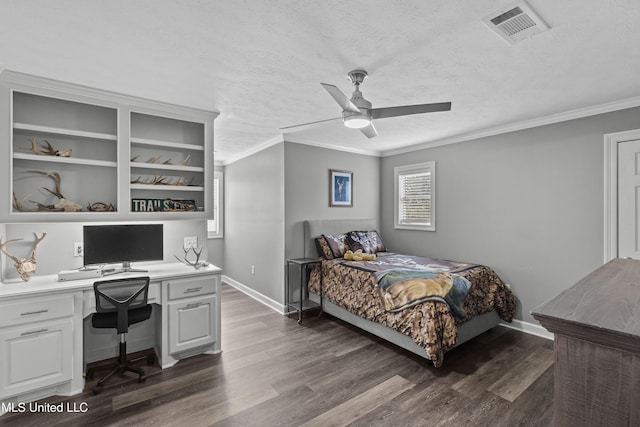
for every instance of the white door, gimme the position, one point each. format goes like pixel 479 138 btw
pixel 629 199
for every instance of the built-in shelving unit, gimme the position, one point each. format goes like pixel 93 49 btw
pixel 143 159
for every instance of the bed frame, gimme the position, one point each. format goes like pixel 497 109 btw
pixel 314 228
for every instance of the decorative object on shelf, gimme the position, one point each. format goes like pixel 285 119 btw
pixel 179 181
pixel 156 160
pixel 195 264
pixel 46 149
pixel 63 204
pixel 101 207
pixel 340 188
pixel 162 205
pixel 184 162
pixel 25 266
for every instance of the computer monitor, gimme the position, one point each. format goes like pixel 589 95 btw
pixel 110 244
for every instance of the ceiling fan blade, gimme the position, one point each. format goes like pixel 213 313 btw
pixel 405 110
pixel 340 98
pixel 369 131
pixel 310 123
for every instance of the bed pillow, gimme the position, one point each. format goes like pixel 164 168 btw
pixel 369 242
pixel 332 246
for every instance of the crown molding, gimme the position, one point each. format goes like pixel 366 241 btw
pixel 314 143
pixel 526 124
pixel 269 143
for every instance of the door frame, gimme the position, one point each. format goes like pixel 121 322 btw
pixel 611 141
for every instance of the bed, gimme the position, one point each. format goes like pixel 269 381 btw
pixel 361 292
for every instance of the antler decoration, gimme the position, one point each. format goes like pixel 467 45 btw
pixel 179 181
pixel 25 266
pixel 197 263
pixel 46 149
pixel 62 205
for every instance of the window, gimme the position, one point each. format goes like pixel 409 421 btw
pixel 215 225
pixel 415 187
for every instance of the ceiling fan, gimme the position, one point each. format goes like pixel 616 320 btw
pixel 357 112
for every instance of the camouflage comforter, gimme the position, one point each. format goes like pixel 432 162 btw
pixel 353 286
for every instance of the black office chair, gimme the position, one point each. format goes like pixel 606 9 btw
pixel 121 303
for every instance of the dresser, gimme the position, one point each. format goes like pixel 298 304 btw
pixel 596 325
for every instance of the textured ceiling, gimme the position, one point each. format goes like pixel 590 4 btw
pixel 259 62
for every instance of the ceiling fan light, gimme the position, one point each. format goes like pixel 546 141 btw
pixel 357 122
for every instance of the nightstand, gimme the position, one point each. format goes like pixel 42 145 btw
pixel 303 303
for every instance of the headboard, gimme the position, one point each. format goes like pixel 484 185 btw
pixel 314 228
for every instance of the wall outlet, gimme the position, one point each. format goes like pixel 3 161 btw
pixel 78 249
pixel 253 269
pixel 190 242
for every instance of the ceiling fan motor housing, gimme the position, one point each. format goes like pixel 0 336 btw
pixel 360 119
pixel 363 118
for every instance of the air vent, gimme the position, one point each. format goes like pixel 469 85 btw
pixel 515 22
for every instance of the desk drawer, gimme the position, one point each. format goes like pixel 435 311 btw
pixel 27 310
pixel 184 288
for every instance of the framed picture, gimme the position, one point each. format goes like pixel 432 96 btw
pixel 340 188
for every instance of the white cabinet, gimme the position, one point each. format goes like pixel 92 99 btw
pixel 36 343
pixel 82 154
pixel 194 314
pixel 193 324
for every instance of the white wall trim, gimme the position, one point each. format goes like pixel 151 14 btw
pixel 497 130
pixel 526 124
pixel 529 328
pixel 611 142
pixel 269 302
pixel 269 143
pixel 313 143
pixel 519 325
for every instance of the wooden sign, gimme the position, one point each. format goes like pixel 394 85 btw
pixel 162 205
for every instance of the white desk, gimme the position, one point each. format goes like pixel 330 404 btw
pixel 41 326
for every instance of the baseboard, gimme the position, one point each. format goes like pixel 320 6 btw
pixel 519 325
pixel 529 328
pixel 269 302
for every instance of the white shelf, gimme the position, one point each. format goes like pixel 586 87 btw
pixel 161 166
pixel 66 160
pixel 161 187
pixel 65 132
pixel 105 131
pixel 168 144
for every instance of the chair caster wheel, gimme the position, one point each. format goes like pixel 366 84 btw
pixel 97 389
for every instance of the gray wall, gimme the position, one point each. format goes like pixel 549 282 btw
pixel 528 203
pixel 268 196
pixel 254 222
pixel 307 189
pixel 55 252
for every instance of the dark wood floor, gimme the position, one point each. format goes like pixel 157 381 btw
pixel 274 372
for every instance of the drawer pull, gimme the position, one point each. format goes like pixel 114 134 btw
pixel 190 290
pixel 39 331
pixel 192 305
pixel 30 313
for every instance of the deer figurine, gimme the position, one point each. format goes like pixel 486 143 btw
pixel 26 266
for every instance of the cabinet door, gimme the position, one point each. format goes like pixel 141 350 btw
pixel 192 323
pixel 35 356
